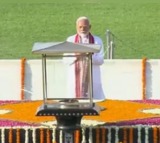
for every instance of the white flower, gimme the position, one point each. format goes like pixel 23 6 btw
pixel 3 111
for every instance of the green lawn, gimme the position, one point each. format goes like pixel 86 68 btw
pixel 135 24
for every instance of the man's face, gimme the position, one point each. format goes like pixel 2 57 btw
pixel 83 27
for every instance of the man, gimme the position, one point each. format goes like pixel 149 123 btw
pixel 84 35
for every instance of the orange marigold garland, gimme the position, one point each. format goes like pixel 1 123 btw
pixel 10 135
pixel 158 130
pixel 18 135
pixel 77 136
pixel 41 135
pixel 48 136
pixel 131 135
pixel 144 78
pixel 97 135
pixel 125 135
pixel 155 138
pixel 103 135
pixel 23 60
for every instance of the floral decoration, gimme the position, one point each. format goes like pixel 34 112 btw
pixel 116 112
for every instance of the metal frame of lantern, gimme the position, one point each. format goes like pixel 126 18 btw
pixel 44 75
pixel 68 112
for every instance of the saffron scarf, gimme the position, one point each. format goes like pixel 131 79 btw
pixel 81 68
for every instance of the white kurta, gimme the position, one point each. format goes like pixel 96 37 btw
pixel 97 61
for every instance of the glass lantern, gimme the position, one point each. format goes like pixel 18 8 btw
pixel 68 110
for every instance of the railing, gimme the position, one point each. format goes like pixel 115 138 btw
pixel 110 44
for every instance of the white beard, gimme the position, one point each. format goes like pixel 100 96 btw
pixel 83 35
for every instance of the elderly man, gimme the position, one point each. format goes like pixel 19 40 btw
pixel 84 35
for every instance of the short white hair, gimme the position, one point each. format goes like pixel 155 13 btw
pixel 82 18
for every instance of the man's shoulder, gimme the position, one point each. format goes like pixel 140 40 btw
pixel 71 38
pixel 97 39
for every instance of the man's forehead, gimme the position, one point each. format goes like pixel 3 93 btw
pixel 82 18
pixel 83 22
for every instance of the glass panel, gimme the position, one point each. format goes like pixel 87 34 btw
pixel 68 78
pixel 81 77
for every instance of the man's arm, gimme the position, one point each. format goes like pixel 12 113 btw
pixel 98 58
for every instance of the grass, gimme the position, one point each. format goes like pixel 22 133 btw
pixel 135 25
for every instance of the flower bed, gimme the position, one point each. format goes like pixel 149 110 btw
pixel 122 121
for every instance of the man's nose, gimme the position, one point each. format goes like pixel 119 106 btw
pixel 83 28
